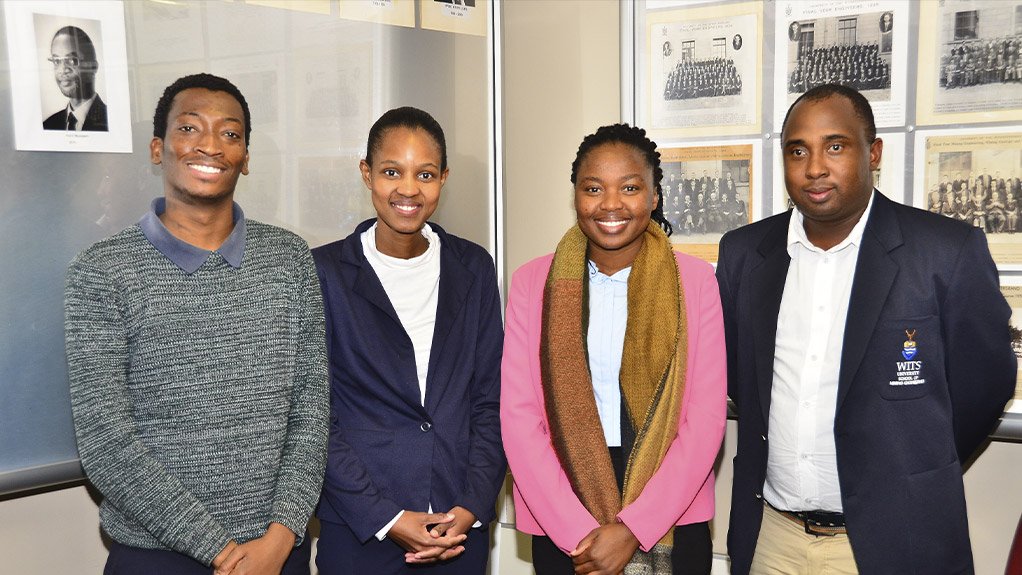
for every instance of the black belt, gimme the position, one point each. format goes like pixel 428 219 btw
pixel 817 522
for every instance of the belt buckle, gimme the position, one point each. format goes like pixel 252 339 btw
pixel 817 530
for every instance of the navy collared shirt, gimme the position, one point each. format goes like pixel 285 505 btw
pixel 184 255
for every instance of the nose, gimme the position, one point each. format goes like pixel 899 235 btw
pixel 611 200
pixel 816 166
pixel 208 143
pixel 408 186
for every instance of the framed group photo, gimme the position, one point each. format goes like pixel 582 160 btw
pixel 970 62
pixel 975 176
pixel 862 45
pixel 709 190
pixel 702 71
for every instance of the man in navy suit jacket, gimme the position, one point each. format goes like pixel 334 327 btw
pixel 389 449
pixel 868 355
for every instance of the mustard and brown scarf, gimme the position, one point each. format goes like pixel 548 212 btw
pixel 652 378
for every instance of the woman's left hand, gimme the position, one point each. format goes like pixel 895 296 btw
pixel 605 551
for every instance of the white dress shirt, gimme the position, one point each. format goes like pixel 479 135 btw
pixel 605 341
pixel 802 459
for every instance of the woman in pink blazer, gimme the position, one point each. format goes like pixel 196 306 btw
pixel 613 379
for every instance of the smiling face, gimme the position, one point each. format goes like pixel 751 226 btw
pixel 614 197
pixel 828 165
pixel 405 180
pixel 204 151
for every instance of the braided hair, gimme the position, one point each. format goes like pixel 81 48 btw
pixel 636 138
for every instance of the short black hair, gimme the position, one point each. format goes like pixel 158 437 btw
pixel 411 118
pixel 206 82
pixel 82 42
pixel 859 102
pixel 635 137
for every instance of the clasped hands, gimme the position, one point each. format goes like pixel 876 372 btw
pixel 261 556
pixel 432 537
pixel 605 551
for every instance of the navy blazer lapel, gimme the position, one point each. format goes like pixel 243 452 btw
pixel 874 275
pixel 366 285
pixel 455 281
pixel 767 288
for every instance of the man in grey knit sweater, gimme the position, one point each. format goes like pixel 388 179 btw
pixel 197 362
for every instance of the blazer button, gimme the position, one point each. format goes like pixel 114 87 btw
pixel 759 496
pixel 426 426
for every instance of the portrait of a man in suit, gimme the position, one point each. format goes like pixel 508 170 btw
pixel 74 61
pixel 886 22
pixel 794 30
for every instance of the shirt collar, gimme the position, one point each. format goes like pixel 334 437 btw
pixel 81 111
pixel 797 231
pixel 184 255
pixel 598 277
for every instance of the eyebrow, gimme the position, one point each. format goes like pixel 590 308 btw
pixel 196 114
pixel 635 176
pixel 420 166
pixel 827 138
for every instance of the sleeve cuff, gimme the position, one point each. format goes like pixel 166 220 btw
pixel 382 533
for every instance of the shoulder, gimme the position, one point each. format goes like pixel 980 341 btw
pixel 327 253
pixel 259 233
pixel 923 229
pixel 274 246
pixel 56 119
pixel 468 252
pixel 750 237
pixel 113 250
pixel 693 267
pixel 538 267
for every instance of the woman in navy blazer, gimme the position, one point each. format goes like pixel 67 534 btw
pixel 414 337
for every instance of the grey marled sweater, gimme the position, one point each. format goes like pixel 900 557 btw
pixel 200 400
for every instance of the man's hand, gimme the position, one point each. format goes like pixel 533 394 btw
pixel 605 551
pixel 222 555
pixel 262 556
pixel 411 532
pixel 463 521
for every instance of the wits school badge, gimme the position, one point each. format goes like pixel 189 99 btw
pixel 908 351
pixel 908 371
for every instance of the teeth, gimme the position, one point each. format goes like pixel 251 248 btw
pixel 206 169
pixel 613 224
pixel 404 208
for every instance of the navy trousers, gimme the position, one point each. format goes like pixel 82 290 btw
pixel 339 552
pixel 124 560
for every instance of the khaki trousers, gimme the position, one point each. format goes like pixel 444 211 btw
pixel 784 548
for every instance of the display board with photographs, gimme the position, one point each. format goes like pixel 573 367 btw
pixel 966 68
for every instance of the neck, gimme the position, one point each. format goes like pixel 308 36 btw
pixel 399 245
pixel 826 235
pixel 609 262
pixel 204 226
